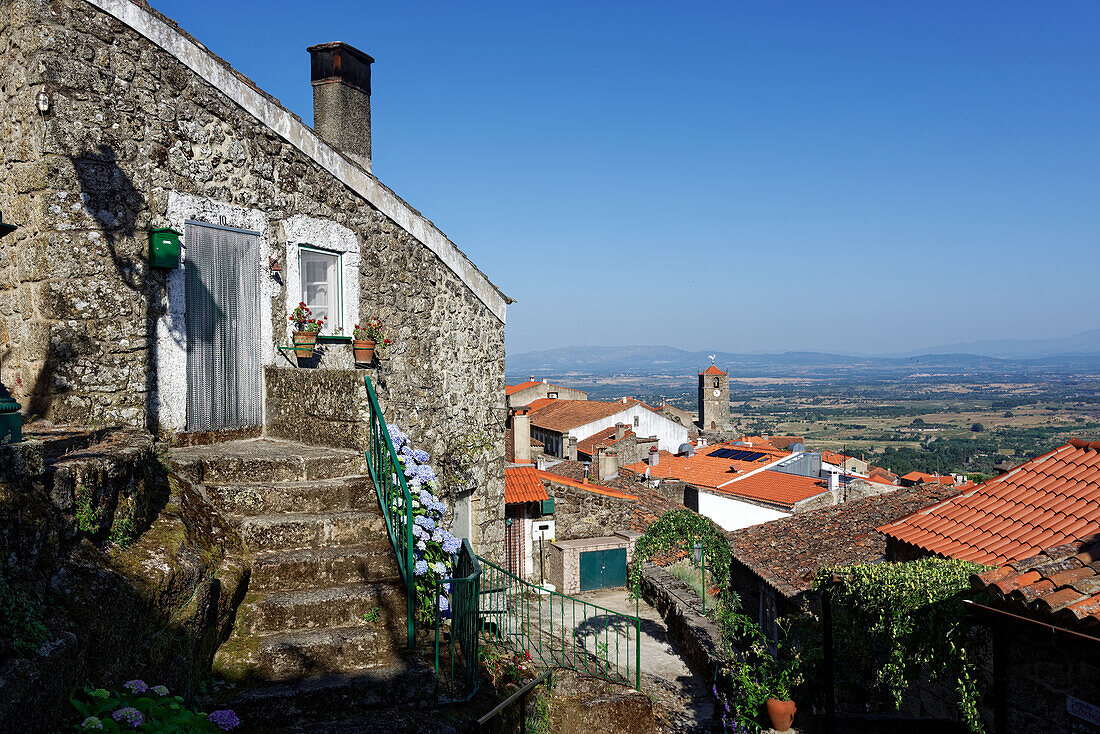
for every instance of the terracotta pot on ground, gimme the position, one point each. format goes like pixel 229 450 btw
pixel 303 343
pixel 364 350
pixel 781 713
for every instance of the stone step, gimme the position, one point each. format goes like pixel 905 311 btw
pixel 320 495
pixel 320 567
pixel 306 654
pixel 310 609
pixel 265 460
pixel 288 531
pixel 336 700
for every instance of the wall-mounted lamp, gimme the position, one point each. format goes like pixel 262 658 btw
pixel 11 422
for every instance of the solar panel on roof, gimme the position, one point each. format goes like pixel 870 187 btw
pixel 737 454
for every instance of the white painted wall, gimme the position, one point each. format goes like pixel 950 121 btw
pixel 171 330
pixel 323 234
pixel 734 514
pixel 670 434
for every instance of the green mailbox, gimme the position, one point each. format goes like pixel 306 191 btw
pixel 547 507
pixel 164 248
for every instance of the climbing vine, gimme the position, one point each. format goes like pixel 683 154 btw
pixel 895 623
pixel 675 534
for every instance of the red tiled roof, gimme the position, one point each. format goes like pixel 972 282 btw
pixel 1059 585
pixel 594 488
pixel 627 400
pixel 539 402
pixel 509 389
pixel 919 477
pixel 1050 500
pixel 596 441
pixel 776 488
pixel 712 370
pixel 782 442
pixel 564 415
pixel 521 484
pixel 833 457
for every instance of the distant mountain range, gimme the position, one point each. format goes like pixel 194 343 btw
pixel 1078 352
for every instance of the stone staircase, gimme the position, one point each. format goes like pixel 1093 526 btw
pixel 301 649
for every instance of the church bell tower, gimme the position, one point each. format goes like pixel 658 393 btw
pixel 714 400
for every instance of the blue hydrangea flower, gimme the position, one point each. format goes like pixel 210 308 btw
pixel 439 568
pixel 130 715
pixel 135 686
pixel 447 588
pixel 425 522
pixel 427 476
pixel 421 567
pixel 396 435
pixel 160 690
pixel 420 456
pixel 437 535
pixel 91 723
pixel 451 544
pixel 224 719
pixel 444 605
pixel 427 497
pixel 421 545
pixel 419 532
pixel 440 508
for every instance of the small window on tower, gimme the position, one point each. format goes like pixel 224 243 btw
pixel 552 395
pixel 716 382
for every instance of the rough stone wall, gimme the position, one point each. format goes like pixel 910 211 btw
pixel 128 574
pixel 698 638
pixel 1042 671
pixel 129 124
pixel 580 514
pixel 853 491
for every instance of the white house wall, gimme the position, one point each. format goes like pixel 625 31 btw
pixel 323 234
pixel 670 434
pixel 734 514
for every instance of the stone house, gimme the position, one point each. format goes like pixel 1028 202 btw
pixel 528 392
pixel 118 124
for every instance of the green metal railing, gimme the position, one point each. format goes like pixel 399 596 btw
pixel 560 631
pixel 457 674
pixel 393 495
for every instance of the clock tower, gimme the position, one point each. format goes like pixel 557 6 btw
pixel 714 400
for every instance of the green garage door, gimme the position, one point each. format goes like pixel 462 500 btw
pixel 603 569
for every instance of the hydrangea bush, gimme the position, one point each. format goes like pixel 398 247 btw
pixel 434 548
pixel 139 707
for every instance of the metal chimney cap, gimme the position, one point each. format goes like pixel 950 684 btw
pixel 337 61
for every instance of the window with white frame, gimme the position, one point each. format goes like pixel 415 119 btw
pixel 322 289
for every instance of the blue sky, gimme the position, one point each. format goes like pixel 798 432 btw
pixel 771 176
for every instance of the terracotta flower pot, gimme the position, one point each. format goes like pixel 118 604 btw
pixel 781 713
pixel 364 350
pixel 304 342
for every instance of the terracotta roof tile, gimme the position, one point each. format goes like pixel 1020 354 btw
pixel 603 439
pixel 924 478
pixel 1050 500
pixel 647 506
pixel 565 415
pixel 509 389
pixel 1068 589
pixel 590 487
pixel 712 370
pixel 521 484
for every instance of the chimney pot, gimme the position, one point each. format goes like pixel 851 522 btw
pixel 340 75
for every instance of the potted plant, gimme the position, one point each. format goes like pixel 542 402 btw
pixel 760 678
pixel 366 340
pixel 305 330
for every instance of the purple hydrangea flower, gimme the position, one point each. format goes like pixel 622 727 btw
pixel 420 567
pixel 224 719
pixel 160 690
pixel 135 686
pixel 92 723
pixel 420 456
pixel 130 715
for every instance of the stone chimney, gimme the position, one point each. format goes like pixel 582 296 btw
pixel 569 448
pixel 341 98
pixel 620 431
pixel 521 435
pixel 606 465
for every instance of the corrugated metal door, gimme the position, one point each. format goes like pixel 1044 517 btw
pixel 603 569
pixel 222 276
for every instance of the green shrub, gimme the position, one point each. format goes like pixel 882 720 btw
pixel 21 622
pixel 139 707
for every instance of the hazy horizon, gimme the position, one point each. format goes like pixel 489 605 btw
pixel 853 177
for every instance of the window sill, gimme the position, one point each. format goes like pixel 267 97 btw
pixel 330 339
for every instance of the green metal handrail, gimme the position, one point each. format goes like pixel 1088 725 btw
pixel 388 476
pixel 465 585
pixel 526 617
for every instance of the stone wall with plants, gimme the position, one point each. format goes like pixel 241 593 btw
pixel 109 571
pixel 128 126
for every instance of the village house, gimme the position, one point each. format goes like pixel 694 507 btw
pixel 774 563
pixel 918 477
pixel 1051 500
pixel 561 424
pixel 528 392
